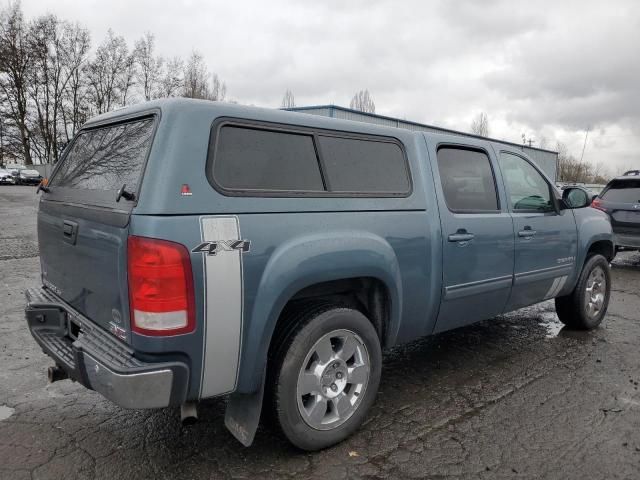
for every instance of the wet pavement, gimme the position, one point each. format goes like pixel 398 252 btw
pixel 517 396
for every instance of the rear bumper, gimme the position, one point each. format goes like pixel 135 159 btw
pixel 98 360
pixel 627 240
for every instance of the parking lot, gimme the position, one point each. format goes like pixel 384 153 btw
pixel 515 396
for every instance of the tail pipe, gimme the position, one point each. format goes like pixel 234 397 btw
pixel 188 413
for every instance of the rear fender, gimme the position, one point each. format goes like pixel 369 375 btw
pixel 305 261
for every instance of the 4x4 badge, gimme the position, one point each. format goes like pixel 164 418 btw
pixel 213 248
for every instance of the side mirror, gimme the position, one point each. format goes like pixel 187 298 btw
pixel 576 197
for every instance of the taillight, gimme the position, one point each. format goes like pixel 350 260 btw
pixel 597 203
pixel 160 287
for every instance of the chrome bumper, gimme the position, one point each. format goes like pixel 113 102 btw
pixel 99 361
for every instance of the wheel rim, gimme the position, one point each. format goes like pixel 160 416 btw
pixel 333 379
pixel 595 290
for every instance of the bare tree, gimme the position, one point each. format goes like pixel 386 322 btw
pixel 288 101
pixel 480 125
pixel 50 82
pixel 196 77
pixel 570 169
pixel 14 65
pixel 127 79
pixel 172 80
pixel 196 80
pixel 110 74
pixel 149 72
pixel 58 49
pixel 362 101
pixel 218 90
pixel 75 107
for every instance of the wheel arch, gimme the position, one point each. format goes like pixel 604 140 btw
pixel 602 247
pixel 314 266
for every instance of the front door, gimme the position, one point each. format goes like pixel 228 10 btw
pixel 545 237
pixel 478 241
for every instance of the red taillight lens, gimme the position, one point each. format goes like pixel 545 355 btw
pixel 160 287
pixel 597 203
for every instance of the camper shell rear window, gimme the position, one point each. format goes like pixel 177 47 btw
pixel 106 158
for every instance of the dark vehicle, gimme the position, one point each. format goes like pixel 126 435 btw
pixel 28 177
pixel 621 200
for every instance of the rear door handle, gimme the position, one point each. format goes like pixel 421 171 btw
pixel 461 237
pixel 526 233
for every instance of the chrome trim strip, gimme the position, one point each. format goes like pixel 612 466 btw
pixel 474 288
pixel 543 273
pixel 223 305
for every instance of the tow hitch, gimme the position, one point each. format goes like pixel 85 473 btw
pixel 56 373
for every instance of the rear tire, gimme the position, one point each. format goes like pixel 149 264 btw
pixel 325 375
pixel 585 307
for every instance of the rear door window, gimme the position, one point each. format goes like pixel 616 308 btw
pixel 467 180
pixel 106 158
pixel 623 191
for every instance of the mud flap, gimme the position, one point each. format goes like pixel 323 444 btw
pixel 242 415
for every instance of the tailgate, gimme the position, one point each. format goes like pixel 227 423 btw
pixel 83 227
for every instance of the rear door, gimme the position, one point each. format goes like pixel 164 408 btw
pixel 621 199
pixel 477 233
pixel 83 228
pixel 545 237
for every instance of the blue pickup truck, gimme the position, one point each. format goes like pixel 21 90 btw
pixel 193 249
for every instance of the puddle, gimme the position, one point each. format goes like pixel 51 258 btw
pixel 552 324
pixel 5 412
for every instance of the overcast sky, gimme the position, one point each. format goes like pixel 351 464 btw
pixel 548 69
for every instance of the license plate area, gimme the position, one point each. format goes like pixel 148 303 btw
pixel 73 329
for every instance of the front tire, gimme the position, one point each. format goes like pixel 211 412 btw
pixel 586 306
pixel 326 375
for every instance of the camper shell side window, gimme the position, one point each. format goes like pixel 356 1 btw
pixel 261 159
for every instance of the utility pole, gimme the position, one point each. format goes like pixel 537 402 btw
pixel 586 134
pixel 526 140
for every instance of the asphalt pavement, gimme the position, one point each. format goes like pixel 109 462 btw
pixel 517 396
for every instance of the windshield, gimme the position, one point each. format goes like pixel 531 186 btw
pixel 623 191
pixel 106 158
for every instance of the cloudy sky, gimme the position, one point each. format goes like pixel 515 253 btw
pixel 548 69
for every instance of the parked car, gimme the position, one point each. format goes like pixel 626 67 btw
pixel 621 200
pixel 6 178
pixel 261 253
pixel 26 176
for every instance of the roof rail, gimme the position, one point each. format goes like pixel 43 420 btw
pixel 633 173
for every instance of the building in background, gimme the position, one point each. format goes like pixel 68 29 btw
pixel 547 160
